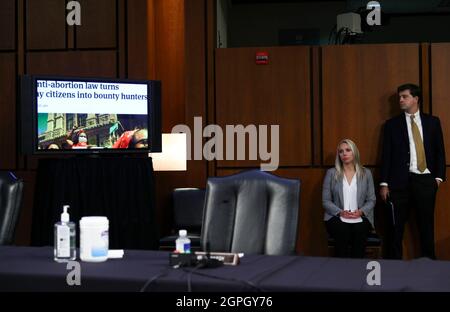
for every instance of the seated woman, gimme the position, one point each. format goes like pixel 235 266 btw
pixel 348 197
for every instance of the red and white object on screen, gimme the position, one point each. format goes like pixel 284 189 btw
pixel 262 58
pixel 124 140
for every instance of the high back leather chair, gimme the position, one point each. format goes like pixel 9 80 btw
pixel 188 213
pixel 11 190
pixel 253 212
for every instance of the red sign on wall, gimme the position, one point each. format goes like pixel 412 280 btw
pixel 262 58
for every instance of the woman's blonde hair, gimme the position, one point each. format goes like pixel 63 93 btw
pixel 356 160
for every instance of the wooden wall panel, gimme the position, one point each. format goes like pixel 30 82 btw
pixel 195 79
pixel 425 60
pixel 316 113
pixel 46 24
pixel 211 39
pixel 167 40
pixel 177 110
pixel 311 231
pixel 8 111
pixel 73 63
pixel 359 93
pixel 7 25
pixel 98 24
pixel 156 50
pixel 165 50
pixel 170 59
pixel 442 221
pixel 274 94
pixel 140 21
pixel 122 39
pixel 440 69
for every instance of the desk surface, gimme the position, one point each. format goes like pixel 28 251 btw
pixel 33 269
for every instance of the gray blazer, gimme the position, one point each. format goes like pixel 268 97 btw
pixel 333 198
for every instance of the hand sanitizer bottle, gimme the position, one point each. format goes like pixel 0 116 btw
pixel 64 248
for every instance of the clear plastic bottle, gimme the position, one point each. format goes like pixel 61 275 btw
pixel 64 248
pixel 183 243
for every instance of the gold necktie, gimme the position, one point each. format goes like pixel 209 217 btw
pixel 420 151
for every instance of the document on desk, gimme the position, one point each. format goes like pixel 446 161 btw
pixel 115 253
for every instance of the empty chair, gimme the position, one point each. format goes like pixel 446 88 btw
pixel 253 212
pixel 11 190
pixel 373 246
pixel 188 213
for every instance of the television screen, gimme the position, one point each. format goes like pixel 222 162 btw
pixel 87 115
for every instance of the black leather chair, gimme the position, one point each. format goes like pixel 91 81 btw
pixel 188 213
pixel 253 212
pixel 373 246
pixel 11 190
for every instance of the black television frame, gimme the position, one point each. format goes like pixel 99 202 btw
pixel 28 116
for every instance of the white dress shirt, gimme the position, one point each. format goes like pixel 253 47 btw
pixel 350 193
pixel 412 146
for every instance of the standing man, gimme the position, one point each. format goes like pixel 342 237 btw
pixel 413 166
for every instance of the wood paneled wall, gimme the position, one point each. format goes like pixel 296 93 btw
pixel 440 82
pixel 317 95
pixel 139 39
pixel 180 64
pixel 8 108
pixel 359 84
pixel 7 25
pixel 330 93
pixel 440 69
pixel 274 94
pixel 35 39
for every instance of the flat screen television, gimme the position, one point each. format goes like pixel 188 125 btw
pixel 89 115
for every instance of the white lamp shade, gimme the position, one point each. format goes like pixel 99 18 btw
pixel 173 156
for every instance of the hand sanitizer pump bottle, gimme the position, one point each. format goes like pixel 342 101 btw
pixel 64 248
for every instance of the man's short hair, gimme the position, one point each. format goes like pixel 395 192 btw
pixel 413 89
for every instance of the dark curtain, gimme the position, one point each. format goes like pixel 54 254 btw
pixel 120 188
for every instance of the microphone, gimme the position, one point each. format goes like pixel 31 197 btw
pixel 206 261
pixel 226 258
pixel 202 259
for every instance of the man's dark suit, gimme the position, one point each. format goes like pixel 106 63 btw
pixel 407 189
